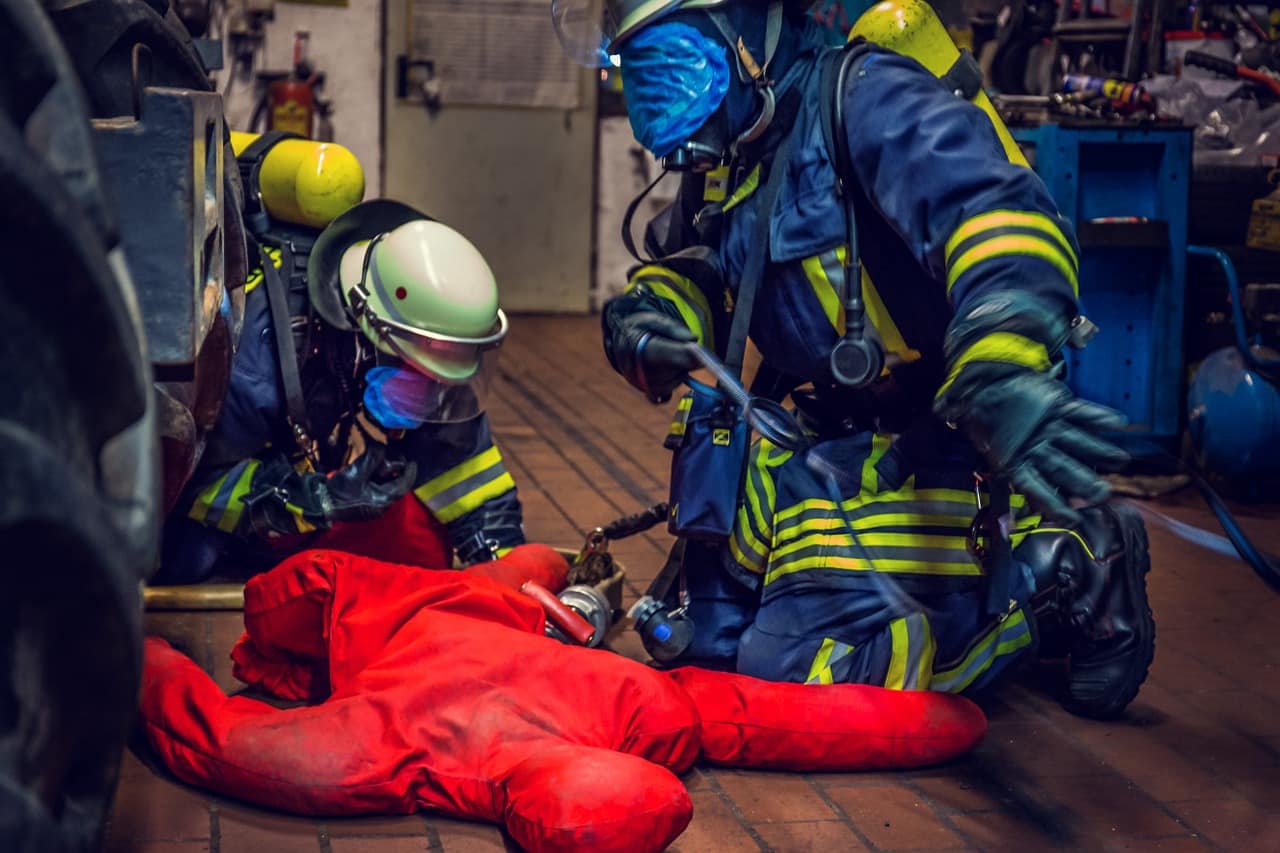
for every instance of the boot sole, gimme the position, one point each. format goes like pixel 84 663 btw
pixel 1137 556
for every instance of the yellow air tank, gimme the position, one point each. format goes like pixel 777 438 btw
pixel 911 27
pixel 305 182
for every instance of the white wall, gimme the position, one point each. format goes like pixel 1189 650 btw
pixel 346 43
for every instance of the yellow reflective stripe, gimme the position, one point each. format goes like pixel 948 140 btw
pixel 942 541
pixel 820 670
pixel 878 316
pixel 897 676
pixel 1072 533
pixel 956 678
pixel 1013 244
pixel 687 288
pixel 1003 347
pixel 200 506
pixel 753 563
pixel 235 506
pixel 680 422
pixel 299 521
pixel 255 275
pixel 903 494
pixel 474 499
pixel 825 291
pixel 682 293
pixel 687 313
pixel 853 564
pixel 1005 219
pixel 928 650
pixel 458 473
pixel 870 481
pixel 746 188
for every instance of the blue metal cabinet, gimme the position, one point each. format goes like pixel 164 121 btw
pixel 1125 190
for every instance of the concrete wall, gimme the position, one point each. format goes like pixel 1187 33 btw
pixel 346 43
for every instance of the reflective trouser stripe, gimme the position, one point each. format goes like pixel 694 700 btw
pixel 1004 638
pixel 222 503
pixel 911 662
pixel 829 653
pixel 467 486
pixel 752 538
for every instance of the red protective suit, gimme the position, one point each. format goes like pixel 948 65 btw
pixel 438 690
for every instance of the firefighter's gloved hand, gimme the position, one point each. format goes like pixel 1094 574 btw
pixel 363 489
pixel 648 348
pixel 285 500
pixel 1033 431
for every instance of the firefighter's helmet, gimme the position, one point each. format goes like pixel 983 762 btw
pixel 415 287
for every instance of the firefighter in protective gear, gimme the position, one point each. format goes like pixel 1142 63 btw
pixel 394 317
pixel 967 275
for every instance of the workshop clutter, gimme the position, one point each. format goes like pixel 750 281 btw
pixel 437 690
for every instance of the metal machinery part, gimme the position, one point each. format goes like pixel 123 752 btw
pixel 591 605
pixel 169 170
pixel 79 481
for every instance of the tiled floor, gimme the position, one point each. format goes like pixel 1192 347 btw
pixel 1194 765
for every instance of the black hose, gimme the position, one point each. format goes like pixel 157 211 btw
pixel 1264 566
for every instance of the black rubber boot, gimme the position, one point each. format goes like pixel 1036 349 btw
pixel 1092 606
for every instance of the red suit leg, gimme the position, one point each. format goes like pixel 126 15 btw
pixel 747 722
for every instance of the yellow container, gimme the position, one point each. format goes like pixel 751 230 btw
pixel 911 27
pixel 306 182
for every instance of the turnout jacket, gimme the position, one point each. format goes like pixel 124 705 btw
pixel 944 219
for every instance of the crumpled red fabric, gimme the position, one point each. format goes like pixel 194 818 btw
pixel 437 690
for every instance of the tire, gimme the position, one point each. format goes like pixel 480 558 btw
pixel 79 484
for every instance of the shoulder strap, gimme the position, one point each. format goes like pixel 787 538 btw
pixel 249 161
pixel 835 70
pixel 753 268
pixel 286 357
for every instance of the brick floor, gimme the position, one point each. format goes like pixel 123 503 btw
pixel 1195 764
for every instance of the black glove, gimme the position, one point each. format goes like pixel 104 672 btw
pixel 363 489
pixel 649 349
pixel 1032 430
pixel 1028 425
pixel 359 491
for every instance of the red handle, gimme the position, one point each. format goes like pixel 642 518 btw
pixel 564 617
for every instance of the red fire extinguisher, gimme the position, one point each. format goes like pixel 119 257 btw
pixel 292 100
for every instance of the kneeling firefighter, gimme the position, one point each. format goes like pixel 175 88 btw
pixel 913 290
pixel 387 319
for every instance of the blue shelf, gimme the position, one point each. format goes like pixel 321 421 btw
pixel 1125 190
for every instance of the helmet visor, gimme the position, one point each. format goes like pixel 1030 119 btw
pixel 450 360
pixel 589 30
pixel 585 29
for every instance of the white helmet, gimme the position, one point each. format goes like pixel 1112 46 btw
pixel 416 288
